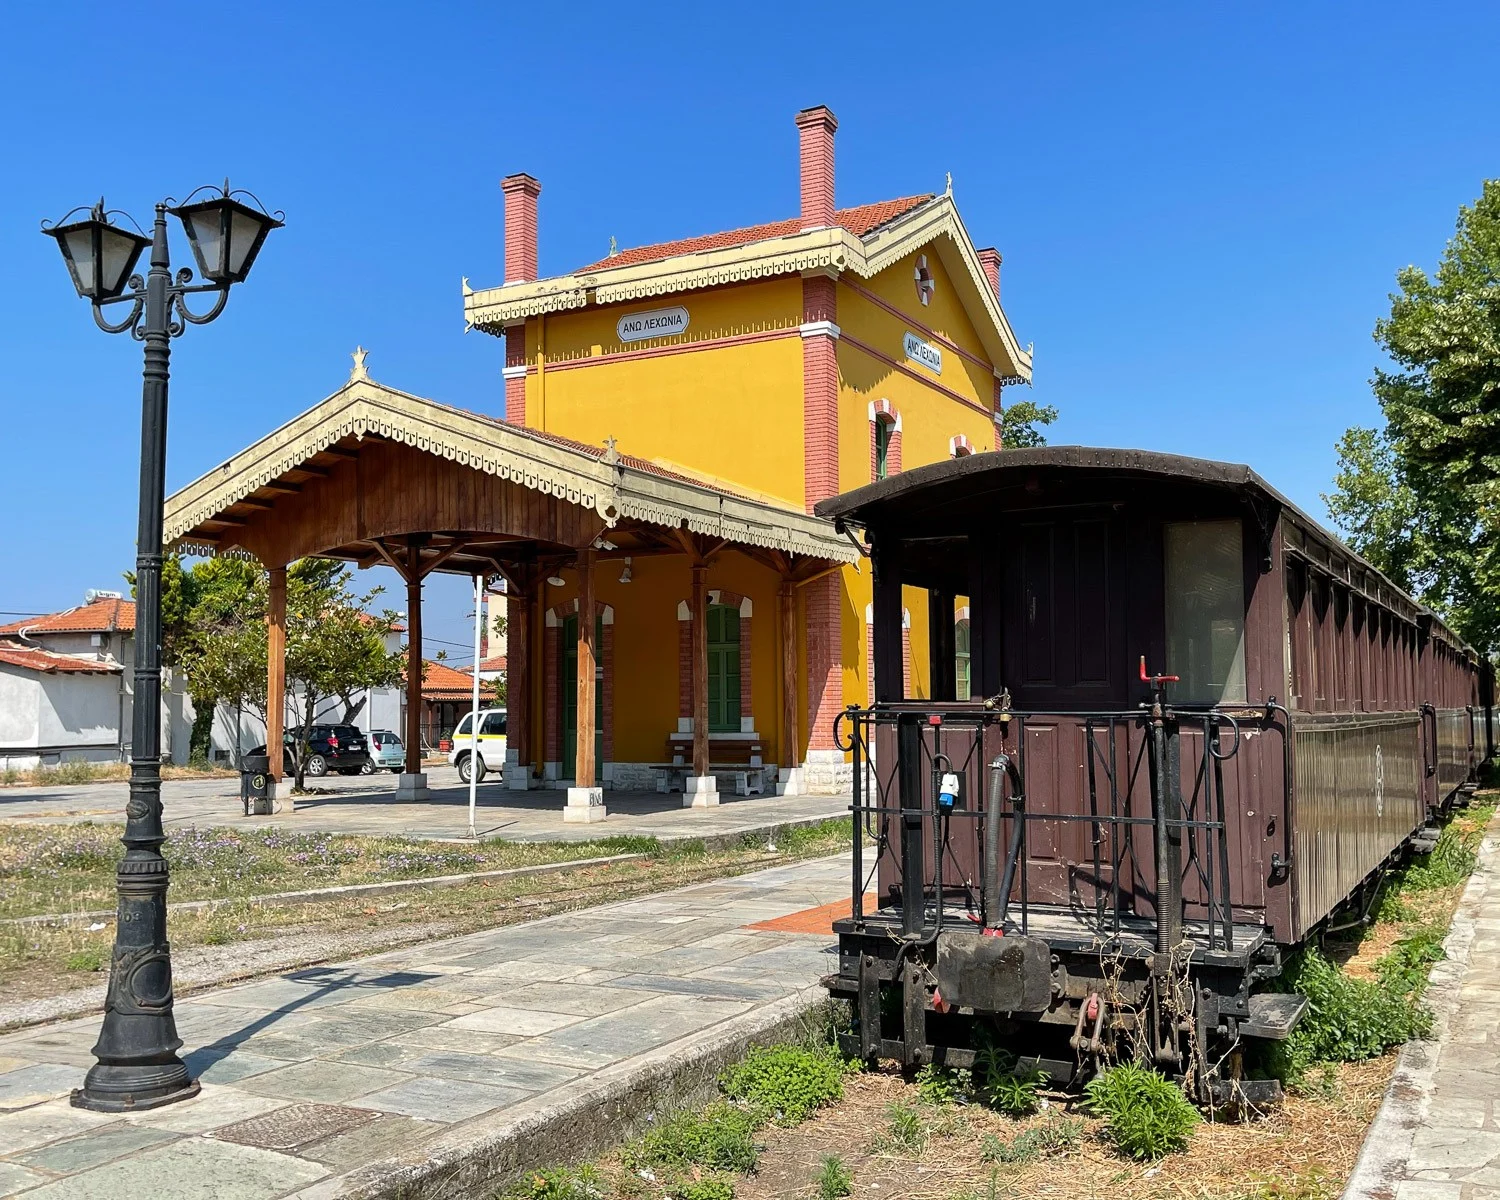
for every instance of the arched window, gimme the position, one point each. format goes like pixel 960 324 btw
pixel 885 440
pixel 883 448
pixel 723 668
pixel 959 446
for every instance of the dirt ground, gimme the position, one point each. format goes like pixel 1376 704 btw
pixel 1300 1151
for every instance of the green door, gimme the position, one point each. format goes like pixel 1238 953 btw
pixel 723 668
pixel 569 676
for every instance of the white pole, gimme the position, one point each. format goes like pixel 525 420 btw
pixel 474 759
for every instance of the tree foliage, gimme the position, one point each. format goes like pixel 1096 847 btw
pixel 1421 497
pixel 1021 422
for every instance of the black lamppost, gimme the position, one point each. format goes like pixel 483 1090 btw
pixel 137 1064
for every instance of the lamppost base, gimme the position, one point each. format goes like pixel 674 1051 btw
pixel 135 1087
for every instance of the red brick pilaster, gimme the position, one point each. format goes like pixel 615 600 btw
pixel 820 388
pixel 552 699
pixel 607 691
pixel 515 374
pixel 825 680
pixel 684 661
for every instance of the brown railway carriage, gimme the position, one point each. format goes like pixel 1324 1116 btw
pixel 1198 727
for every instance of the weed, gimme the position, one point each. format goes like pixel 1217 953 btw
pixel 1145 1114
pixel 1451 861
pixel 906 1131
pixel 990 1192
pixel 1403 969
pixel 786 1083
pixel 835 1179
pixel 721 1137
pixel 559 1183
pixel 624 843
pixel 1312 1184
pixel 94 958
pixel 1057 1137
pixel 938 1085
pixel 710 1187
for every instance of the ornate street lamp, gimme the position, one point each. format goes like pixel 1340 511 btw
pixel 138 1066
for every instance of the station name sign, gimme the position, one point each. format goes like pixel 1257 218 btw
pixel 658 322
pixel 925 353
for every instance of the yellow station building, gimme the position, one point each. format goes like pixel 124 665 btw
pixel 785 362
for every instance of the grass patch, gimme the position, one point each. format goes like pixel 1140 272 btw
pixel 720 1137
pixel 71 773
pixel 835 1180
pixel 906 1130
pixel 1145 1115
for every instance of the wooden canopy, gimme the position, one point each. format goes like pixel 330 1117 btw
pixel 373 475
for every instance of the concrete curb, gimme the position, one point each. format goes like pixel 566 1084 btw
pixel 576 1122
pixel 1388 1144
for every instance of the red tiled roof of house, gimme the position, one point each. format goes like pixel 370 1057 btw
pixel 102 616
pixel 366 619
pixel 29 659
pixel 495 662
pixel 442 682
pixel 859 221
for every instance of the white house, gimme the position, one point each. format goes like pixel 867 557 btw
pixel 66 688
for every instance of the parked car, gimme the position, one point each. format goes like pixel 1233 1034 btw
pixel 338 748
pixel 387 752
pixel 491 744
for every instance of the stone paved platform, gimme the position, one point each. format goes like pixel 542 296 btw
pixel 367 804
pixel 1437 1135
pixel 313 1080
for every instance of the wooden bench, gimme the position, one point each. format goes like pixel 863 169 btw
pixel 740 757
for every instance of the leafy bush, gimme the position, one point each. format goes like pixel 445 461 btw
pixel 1145 1115
pixel 1347 1019
pixel 835 1179
pixel 1404 968
pixel 786 1083
pixel 943 1085
pixel 720 1137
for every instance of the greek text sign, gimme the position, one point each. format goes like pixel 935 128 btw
pixel 659 322
pixel 926 353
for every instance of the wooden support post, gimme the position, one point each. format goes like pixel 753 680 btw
pixel 536 694
pixel 413 659
pixel 700 669
pixel 886 569
pixel 587 656
pixel 941 648
pixel 276 670
pixel 787 605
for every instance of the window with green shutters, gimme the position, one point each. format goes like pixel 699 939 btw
pixel 961 659
pixel 723 668
pixel 882 446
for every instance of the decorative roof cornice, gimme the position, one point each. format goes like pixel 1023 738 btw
pixel 833 249
pixel 614 490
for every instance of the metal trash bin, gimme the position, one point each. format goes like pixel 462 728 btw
pixel 255 783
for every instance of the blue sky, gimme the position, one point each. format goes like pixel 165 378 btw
pixel 1201 207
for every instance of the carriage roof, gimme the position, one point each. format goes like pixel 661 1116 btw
pixel 948 496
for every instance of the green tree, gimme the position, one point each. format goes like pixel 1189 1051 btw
pixel 1021 421
pixel 1421 498
pixel 334 646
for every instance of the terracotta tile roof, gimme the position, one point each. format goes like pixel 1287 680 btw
pixel 367 619
pixel 102 616
pixel 29 659
pixel 495 662
pixel 442 682
pixel 859 221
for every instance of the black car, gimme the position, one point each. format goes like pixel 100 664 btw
pixel 341 748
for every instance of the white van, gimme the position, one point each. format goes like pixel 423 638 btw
pixel 491 744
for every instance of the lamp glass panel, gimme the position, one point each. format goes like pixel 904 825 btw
pixel 244 233
pixel 207 238
pixel 78 249
pixel 117 252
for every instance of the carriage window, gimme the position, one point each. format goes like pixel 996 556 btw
pixel 1206 611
